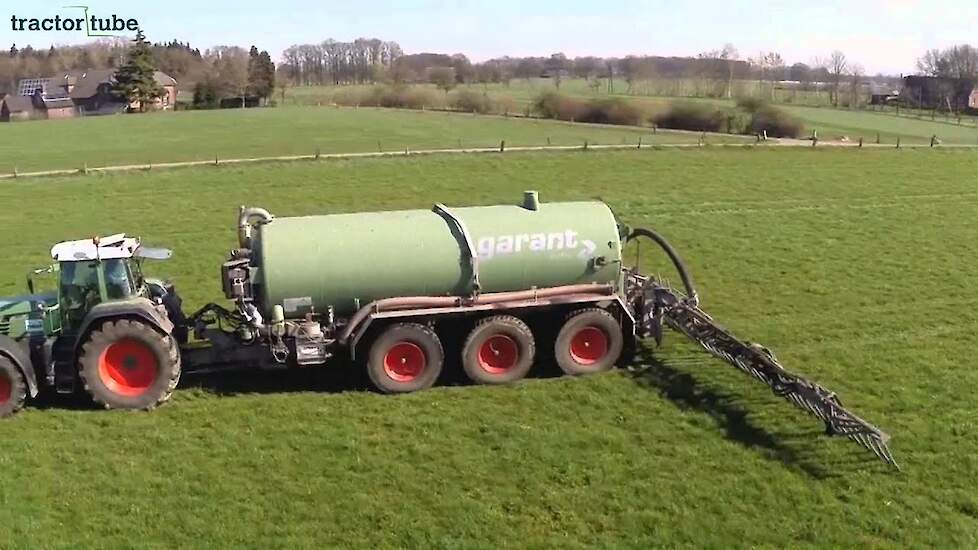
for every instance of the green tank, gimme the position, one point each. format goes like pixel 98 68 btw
pixel 348 260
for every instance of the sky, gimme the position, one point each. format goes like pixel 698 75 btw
pixel 881 36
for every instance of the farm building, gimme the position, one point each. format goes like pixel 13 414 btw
pixel 932 92
pixel 78 93
pixel 16 108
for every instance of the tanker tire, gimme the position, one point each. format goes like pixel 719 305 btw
pixel 590 341
pixel 514 333
pixel 157 356
pixel 13 388
pixel 392 350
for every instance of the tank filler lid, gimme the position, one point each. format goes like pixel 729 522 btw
pixel 105 248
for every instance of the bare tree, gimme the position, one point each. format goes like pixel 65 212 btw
pixel 837 67
pixel 856 73
pixel 730 56
pixel 442 77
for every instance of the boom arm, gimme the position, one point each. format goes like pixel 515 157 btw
pixel 656 304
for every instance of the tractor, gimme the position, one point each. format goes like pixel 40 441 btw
pixel 105 328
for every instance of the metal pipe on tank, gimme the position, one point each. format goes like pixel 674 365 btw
pixel 245 224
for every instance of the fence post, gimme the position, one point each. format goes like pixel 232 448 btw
pixel 216 162
pixel 933 140
pixel 639 142
pixel 898 142
pixel 877 138
pixel 548 141
pixel 317 153
pixel 502 146
pixel 860 142
pixel 380 149
pixel 15 171
pixel 585 145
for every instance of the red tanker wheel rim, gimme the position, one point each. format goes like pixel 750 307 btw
pixel 128 368
pixel 6 389
pixel 589 345
pixel 404 361
pixel 498 354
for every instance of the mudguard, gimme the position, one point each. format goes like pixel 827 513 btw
pixel 14 351
pixel 140 308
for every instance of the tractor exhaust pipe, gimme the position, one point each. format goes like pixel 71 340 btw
pixel 246 224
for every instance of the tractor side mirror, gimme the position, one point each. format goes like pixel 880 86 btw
pixel 39 271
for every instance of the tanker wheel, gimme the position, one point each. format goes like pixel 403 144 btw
pixel 590 341
pixel 499 349
pixel 13 388
pixel 129 365
pixel 406 357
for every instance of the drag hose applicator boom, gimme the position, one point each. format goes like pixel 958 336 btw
pixel 657 304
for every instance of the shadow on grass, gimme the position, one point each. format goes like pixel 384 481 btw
pixel 796 450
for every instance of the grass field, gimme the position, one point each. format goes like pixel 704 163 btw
pixel 811 109
pixel 856 267
pixel 202 135
pixel 833 123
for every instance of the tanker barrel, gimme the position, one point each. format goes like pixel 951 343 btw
pixel 338 261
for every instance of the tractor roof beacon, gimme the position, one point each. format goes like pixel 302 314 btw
pixel 383 288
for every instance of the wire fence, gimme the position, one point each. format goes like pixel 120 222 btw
pixel 501 148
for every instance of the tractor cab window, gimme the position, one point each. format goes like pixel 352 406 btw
pixel 79 286
pixel 118 279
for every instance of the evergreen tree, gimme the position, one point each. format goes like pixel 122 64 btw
pixel 13 50
pixel 135 80
pixel 261 73
pixel 268 70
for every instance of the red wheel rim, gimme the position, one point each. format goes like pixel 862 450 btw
pixel 128 368
pixel 498 354
pixel 589 345
pixel 6 388
pixel 404 361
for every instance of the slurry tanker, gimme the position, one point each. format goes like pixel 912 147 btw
pixel 382 291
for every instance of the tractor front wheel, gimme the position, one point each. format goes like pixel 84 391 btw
pixel 129 365
pixel 13 388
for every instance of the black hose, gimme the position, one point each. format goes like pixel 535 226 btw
pixel 673 255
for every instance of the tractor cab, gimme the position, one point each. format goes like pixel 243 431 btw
pixel 97 271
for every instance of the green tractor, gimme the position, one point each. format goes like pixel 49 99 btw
pixel 105 328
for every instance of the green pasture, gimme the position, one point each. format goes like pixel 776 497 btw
pixel 857 268
pixel 246 133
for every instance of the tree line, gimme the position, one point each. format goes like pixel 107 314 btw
pixel 335 62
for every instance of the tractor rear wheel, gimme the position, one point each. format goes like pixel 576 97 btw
pixel 499 350
pixel 590 341
pixel 13 388
pixel 127 364
pixel 406 357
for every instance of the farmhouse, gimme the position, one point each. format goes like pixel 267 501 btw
pixel 77 93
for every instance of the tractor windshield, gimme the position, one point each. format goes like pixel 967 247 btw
pixel 118 279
